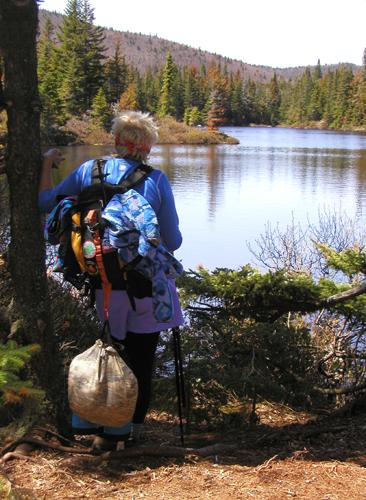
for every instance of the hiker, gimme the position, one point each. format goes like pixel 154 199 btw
pixel 132 324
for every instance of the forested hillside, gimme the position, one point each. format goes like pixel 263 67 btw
pixel 147 51
pixel 99 71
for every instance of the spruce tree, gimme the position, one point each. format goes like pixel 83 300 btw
pixel 151 85
pixel 116 75
pixel 193 89
pixel 342 103
pixel 167 101
pixel 94 53
pixel 13 387
pixel 237 107
pixel 49 79
pixel 357 101
pixel 192 116
pixel 81 56
pixel 315 107
pixel 250 101
pixel 100 110
pixel 318 71
pixel 274 101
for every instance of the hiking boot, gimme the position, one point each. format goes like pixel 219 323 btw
pixel 102 444
pixel 138 434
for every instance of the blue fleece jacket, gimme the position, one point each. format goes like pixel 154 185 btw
pixel 155 188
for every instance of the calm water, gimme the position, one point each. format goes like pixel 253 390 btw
pixel 225 194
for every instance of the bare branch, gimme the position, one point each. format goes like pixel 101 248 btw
pixel 344 296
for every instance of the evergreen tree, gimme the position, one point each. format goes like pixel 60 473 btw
pixel 116 75
pixel 94 53
pixel 178 95
pixel 274 101
pixel 301 92
pixel 151 85
pixel 306 89
pixel 357 101
pixel 100 111
pixel 315 107
pixel 81 56
pixel 49 79
pixel 167 101
pixel 250 100
pixel 13 389
pixel 140 93
pixel 192 92
pixel 237 102
pixel 192 116
pixel 71 61
pixel 364 63
pixel 342 91
pixel 318 71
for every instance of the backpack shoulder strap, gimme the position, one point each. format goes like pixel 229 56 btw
pixel 138 175
pixel 100 189
pixel 97 174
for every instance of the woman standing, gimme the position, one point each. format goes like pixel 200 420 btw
pixel 135 327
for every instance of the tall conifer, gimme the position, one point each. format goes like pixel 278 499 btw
pixel 116 75
pixel 274 101
pixel 100 110
pixel 81 56
pixel 167 99
pixel 49 79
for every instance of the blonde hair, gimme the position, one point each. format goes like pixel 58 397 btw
pixel 134 133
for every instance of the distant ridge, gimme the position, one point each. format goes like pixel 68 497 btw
pixel 144 51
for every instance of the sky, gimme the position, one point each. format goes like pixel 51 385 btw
pixel 276 33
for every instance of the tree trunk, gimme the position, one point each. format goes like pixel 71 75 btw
pixel 26 258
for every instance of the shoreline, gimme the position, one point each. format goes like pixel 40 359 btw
pixel 78 132
pixel 310 127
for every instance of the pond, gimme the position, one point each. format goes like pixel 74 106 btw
pixel 226 194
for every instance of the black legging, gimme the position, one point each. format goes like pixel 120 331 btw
pixel 140 353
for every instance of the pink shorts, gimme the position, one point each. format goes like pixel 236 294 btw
pixel 123 318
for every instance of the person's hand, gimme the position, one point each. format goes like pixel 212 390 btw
pixel 53 157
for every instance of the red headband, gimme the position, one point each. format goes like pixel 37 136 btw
pixel 131 146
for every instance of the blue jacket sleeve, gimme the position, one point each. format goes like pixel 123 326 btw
pixel 71 185
pixel 168 217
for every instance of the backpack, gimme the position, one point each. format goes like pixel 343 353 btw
pixel 108 237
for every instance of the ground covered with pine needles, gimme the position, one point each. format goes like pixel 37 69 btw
pixel 288 454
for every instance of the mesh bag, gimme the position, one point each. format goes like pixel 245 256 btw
pixel 101 387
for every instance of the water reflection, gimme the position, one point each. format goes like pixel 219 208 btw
pixel 226 194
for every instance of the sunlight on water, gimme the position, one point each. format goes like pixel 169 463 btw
pixel 225 194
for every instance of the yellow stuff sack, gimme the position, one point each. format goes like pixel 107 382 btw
pixel 76 241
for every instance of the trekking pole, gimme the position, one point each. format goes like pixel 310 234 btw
pixel 179 380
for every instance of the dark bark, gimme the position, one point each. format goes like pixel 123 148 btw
pixel 18 29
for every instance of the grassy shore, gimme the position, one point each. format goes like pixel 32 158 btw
pixel 170 132
pixel 173 132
